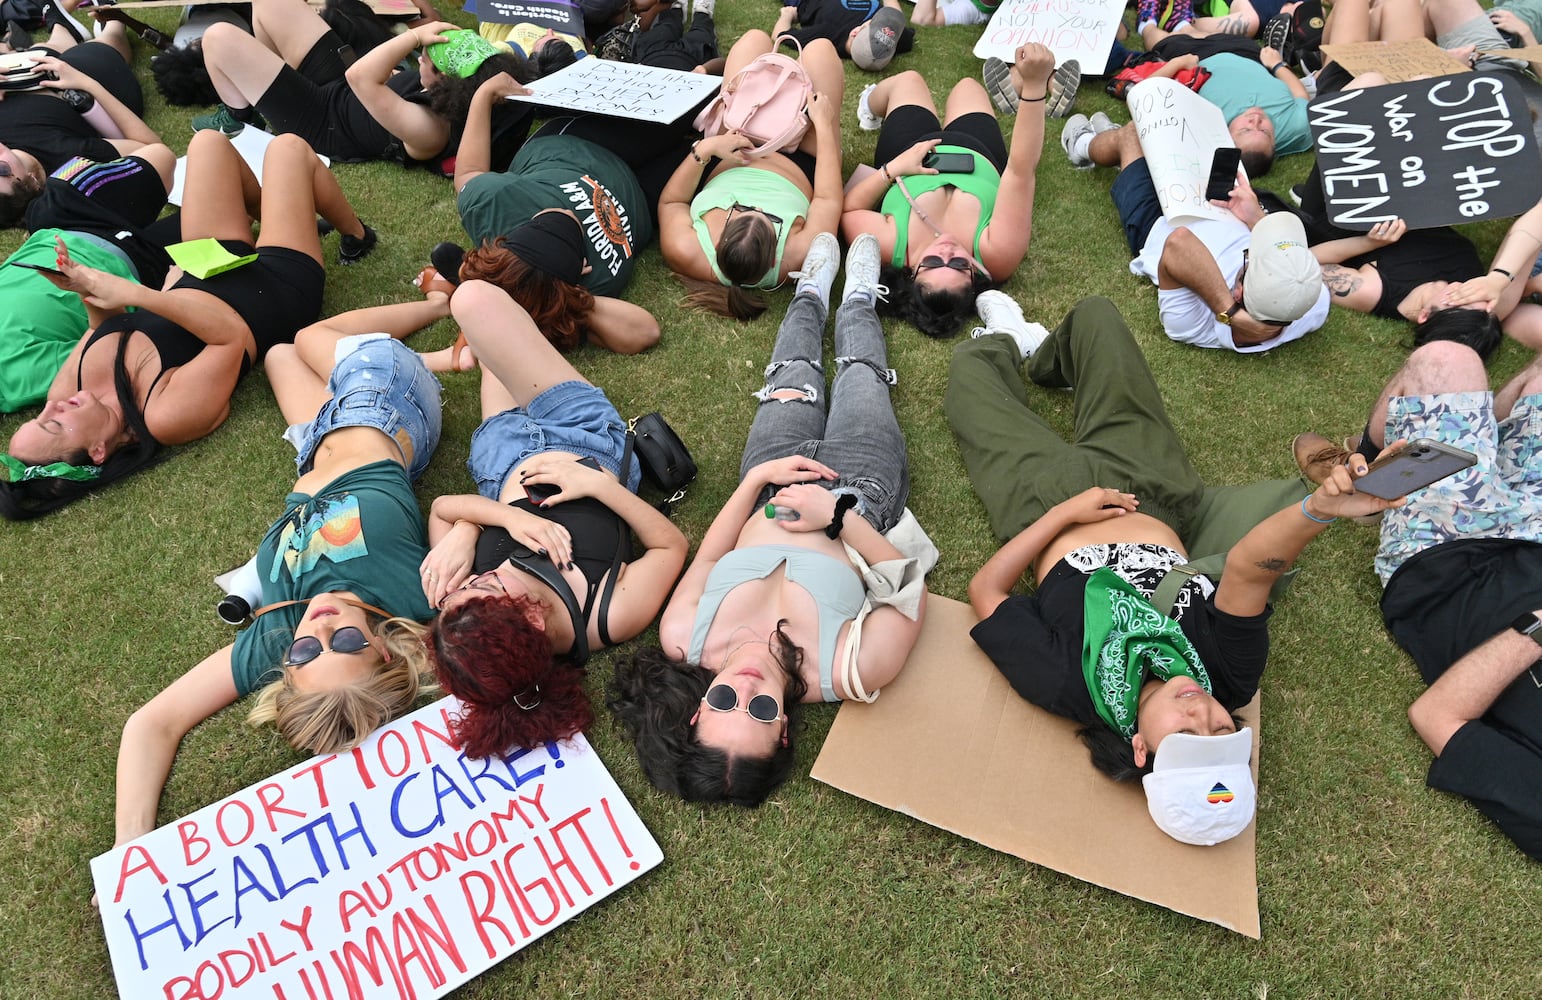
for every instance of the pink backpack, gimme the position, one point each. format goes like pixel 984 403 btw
pixel 766 102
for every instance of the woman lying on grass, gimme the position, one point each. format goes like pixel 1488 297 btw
pixel 336 651
pixel 774 611
pixel 164 375
pixel 538 569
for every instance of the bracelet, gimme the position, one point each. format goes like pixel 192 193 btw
pixel 1033 100
pixel 843 503
pixel 1312 517
pixel 1276 68
pixel 1502 271
pixel 698 159
pixel 887 176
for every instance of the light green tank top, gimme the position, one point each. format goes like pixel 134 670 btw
pixel 982 184
pixel 751 187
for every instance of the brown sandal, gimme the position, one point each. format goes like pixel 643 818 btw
pixel 430 280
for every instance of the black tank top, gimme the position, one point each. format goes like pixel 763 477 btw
pixel 597 532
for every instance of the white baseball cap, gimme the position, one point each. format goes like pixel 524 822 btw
pixel 1283 279
pixel 1200 790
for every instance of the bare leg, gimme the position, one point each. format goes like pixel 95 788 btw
pixel 288 27
pixel 299 390
pixel 751 44
pixel 968 96
pixel 899 91
pixel 1241 20
pixel 1524 325
pixel 1527 383
pixel 1117 147
pixel 220 193
pixel 823 65
pixel 1444 15
pixel 299 185
pixel 508 344
pixel 1442 366
pixel 317 343
pixel 240 67
pixel 926 13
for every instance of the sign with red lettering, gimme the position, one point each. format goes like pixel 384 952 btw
pixel 1179 133
pixel 1072 29
pixel 1431 152
pixel 399 869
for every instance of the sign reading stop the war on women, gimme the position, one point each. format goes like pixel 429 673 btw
pixel 1431 152
pixel 400 869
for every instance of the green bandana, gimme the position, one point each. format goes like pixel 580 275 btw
pixel 18 471
pixel 462 55
pixel 1124 639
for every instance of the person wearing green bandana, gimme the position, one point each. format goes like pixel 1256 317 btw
pixel 1101 521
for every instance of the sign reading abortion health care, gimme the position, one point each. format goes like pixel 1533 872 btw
pixel 1179 133
pixel 555 14
pixel 399 869
pixel 624 90
pixel 1431 152
pixel 1072 29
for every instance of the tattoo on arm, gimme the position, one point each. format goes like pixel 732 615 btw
pixel 1273 565
pixel 1232 26
pixel 1341 281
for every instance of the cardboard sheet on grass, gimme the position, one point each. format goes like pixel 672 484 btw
pixel 1399 61
pixel 950 743
pixel 400 869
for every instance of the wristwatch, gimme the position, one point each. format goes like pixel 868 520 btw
pixel 1530 626
pixel 1225 317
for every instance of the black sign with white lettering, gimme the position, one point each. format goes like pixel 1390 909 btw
pixel 1431 152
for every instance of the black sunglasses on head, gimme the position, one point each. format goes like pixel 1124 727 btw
pixel 347 639
pixel 762 707
pixel 775 220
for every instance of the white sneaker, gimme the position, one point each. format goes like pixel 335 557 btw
pixel 1076 126
pixel 1002 314
pixel 702 7
pixel 865 117
pixel 819 266
pixel 1063 84
pixel 997 75
pixel 862 267
pixel 1101 123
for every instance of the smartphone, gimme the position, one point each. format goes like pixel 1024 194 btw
pixel 539 493
pixel 949 163
pixel 39 267
pixel 1414 466
pixel 1223 173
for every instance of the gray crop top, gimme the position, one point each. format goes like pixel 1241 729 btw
pixel 833 584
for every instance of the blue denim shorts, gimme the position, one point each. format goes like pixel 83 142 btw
pixel 570 416
pixel 381 383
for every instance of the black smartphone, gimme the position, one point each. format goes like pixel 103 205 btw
pixel 39 267
pixel 1223 173
pixel 949 163
pixel 1414 466
pixel 539 493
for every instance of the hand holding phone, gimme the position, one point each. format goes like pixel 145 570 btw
pixel 949 163
pixel 1223 173
pixel 1414 466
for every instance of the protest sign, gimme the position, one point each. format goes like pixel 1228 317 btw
pixel 251 142
pixel 1179 133
pixel 398 869
pixel 623 90
pixel 558 15
pixel 1072 29
pixel 385 8
pixel 1431 152
pixel 1399 62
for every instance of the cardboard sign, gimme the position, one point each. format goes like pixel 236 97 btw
pixel 1072 29
pixel 1179 133
pixel 1399 62
pixel 623 90
pixel 566 18
pixel 399 869
pixel 1432 152
pixel 1031 790
pixel 251 142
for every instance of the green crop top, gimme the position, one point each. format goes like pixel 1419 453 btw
pixel 766 190
pixel 982 184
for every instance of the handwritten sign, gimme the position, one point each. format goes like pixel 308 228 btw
pixel 623 90
pixel 555 14
pixel 1432 152
pixel 1399 62
pixel 1072 29
pixel 399 869
pixel 1179 133
pixel 251 142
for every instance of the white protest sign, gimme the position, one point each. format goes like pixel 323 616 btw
pixel 399 869
pixel 1072 29
pixel 1179 133
pixel 251 142
pixel 623 90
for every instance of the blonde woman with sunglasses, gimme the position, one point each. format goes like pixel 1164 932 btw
pixel 336 650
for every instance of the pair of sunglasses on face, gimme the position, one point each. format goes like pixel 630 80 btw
pixel 955 263
pixel 347 639
pixel 761 708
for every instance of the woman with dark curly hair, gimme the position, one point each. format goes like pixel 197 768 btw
pixel 775 610
pixel 936 227
pixel 537 568
pixel 296 74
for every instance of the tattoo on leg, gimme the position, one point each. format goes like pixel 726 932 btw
pixel 1341 281
pixel 1232 26
pixel 1272 565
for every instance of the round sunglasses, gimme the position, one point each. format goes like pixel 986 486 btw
pixel 956 263
pixel 306 648
pixel 761 708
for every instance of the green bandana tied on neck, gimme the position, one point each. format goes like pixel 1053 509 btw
pixel 18 471
pixel 1124 639
pixel 462 55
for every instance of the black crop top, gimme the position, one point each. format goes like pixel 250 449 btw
pixel 174 346
pixel 597 533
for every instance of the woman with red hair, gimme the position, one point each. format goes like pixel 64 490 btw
pixel 537 568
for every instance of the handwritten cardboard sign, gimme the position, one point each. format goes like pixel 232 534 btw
pixel 399 869
pixel 1072 29
pixel 1432 152
pixel 558 15
pixel 1179 133
pixel 624 90
pixel 1399 62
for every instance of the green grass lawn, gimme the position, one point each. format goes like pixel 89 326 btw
pixel 1370 884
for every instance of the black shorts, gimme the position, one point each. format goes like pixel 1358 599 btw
pixel 1135 197
pixel 909 124
pixel 315 103
pixel 103 64
pixel 277 294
